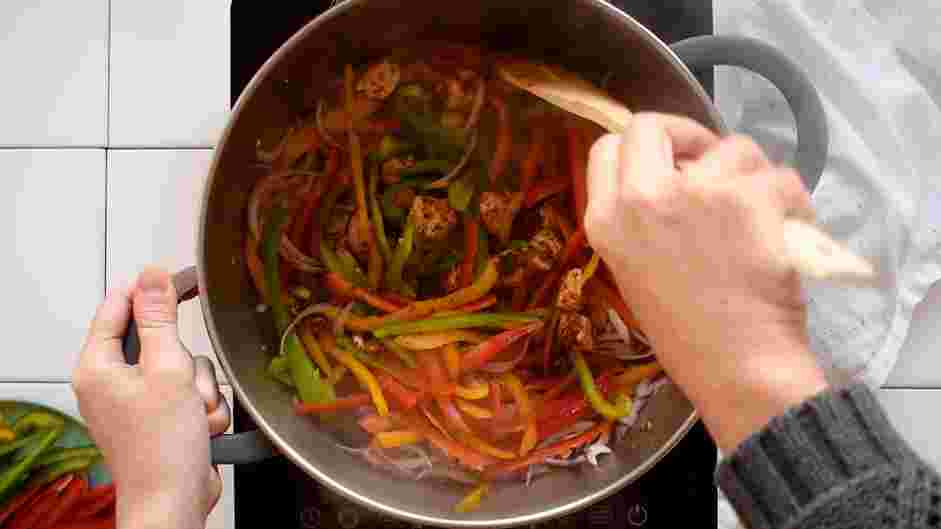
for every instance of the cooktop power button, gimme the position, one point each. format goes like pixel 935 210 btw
pixel 637 516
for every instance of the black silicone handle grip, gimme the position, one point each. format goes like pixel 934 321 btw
pixel 228 449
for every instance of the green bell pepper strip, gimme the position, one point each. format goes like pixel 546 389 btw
pixel 403 251
pixel 460 193
pixel 61 468
pixel 463 321
pixel 391 147
pixel 20 442
pixel 14 474
pixel 439 141
pixel 425 167
pixel 622 405
pixel 377 220
pixel 310 386
pixel 57 455
pixel 279 370
pixel 351 268
pixel 37 420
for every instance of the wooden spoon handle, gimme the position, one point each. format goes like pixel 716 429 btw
pixel 813 253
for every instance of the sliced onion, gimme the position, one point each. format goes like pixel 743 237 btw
pixel 319 308
pixel 265 187
pixel 446 179
pixel 503 367
pixel 536 470
pixel 626 337
pixel 576 429
pixel 619 326
pixel 322 129
pixel 340 322
pixel 566 462
pixel 453 473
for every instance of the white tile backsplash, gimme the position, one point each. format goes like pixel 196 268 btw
pixel 153 205
pixel 919 362
pixel 54 55
pixel 52 222
pixel 61 397
pixel 913 412
pixel 169 72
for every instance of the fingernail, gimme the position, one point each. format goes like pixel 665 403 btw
pixel 153 281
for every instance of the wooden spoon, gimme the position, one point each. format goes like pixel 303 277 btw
pixel 809 250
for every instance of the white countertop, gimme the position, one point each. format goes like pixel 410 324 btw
pixel 111 109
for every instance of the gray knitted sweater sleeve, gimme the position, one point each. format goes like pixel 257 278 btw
pixel 833 462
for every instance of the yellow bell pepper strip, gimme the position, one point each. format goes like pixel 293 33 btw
pixel 376 211
pixel 314 350
pixel 471 502
pixel 56 455
pixel 480 288
pixel 310 386
pixel 436 340
pixel 622 405
pixel 591 267
pixel 472 391
pixel 475 411
pixel 463 321
pixel 365 378
pixel 531 434
pixel 452 360
pixel 19 442
pixel 338 373
pixel 7 435
pixel 403 251
pixel 397 438
pixel 628 380
pixel 406 356
pixel 465 455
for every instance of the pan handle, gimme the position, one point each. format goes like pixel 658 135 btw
pixel 226 449
pixel 700 53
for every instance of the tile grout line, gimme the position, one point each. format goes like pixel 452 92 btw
pixel 108 80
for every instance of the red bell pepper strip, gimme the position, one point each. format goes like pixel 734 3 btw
pixel 31 515
pixel 22 500
pixel 102 522
pixel 406 398
pixel 486 351
pixel 376 423
pixel 309 202
pixel 545 189
pixel 504 147
pixel 465 455
pixel 346 403
pixel 496 398
pixel 610 295
pixel 562 385
pixel 255 267
pixel 471 240
pixel 578 163
pixel 339 286
pixel 535 155
pixel 430 361
pixel 549 342
pixel 540 455
pixel 572 247
pixel 69 498
pixel 96 501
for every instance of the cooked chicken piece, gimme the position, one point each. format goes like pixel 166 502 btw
pixel 453 119
pixel 575 332
pixel 392 169
pixel 356 239
pixel 544 250
pixel 496 210
pixel 570 292
pixel 552 218
pixel 434 218
pixel 452 279
pixel 380 80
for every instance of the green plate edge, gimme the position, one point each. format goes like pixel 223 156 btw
pixel 75 433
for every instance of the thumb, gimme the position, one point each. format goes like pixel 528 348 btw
pixel 154 302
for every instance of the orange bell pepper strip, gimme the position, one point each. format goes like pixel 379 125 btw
pixel 306 333
pixel 255 267
pixel 540 455
pixel 404 397
pixel 345 403
pixel 452 360
pixel 504 146
pixel 485 352
pixel 530 435
pixel 339 286
pixel 397 438
pixel 465 455
pixel 471 242
pixel 629 379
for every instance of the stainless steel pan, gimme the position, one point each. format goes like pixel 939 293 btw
pixel 587 36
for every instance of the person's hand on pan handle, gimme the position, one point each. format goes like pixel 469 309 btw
pixel 691 228
pixel 152 421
